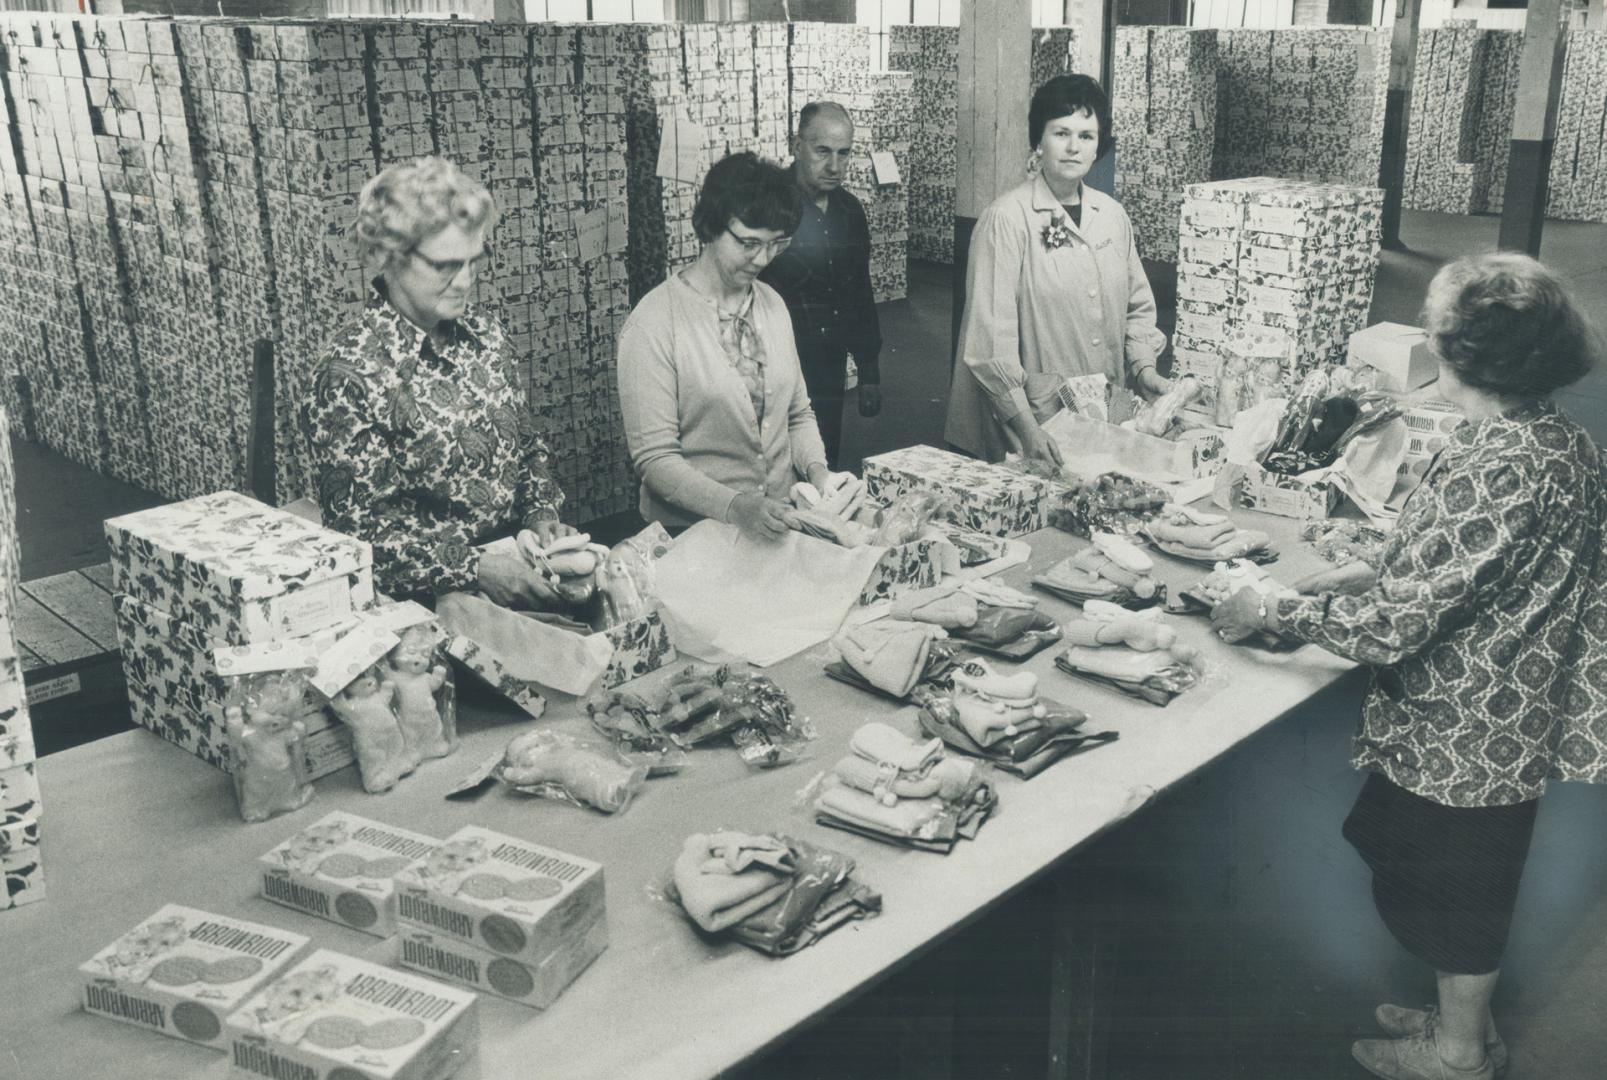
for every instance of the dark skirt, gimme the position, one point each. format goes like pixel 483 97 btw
pixel 1445 878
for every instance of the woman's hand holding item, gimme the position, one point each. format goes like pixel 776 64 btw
pixel 1036 445
pixel 548 531
pixel 759 517
pixel 1352 579
pixel 508 581
pixel 1239 616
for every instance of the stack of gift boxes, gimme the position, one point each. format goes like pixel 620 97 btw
pixel 22 878
pixel 1163 111
pixel 821 55
pixel 217 571
pixel 1463 95
pixel 1304 103
pixel 882 107
pixel 1578 165
pixel 1270 268
pixel 932 53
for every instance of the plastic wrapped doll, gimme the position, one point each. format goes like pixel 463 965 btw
pixel 427 721
pixel 383 756
pixel 265 741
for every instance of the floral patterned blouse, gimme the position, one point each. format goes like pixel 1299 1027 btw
pixel 425 453
pixel 1487 627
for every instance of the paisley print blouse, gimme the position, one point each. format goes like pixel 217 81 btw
pixel 424 452
pixel 1487 627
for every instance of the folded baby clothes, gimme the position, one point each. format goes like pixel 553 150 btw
pixel 767 891
pixel 941 605
pixel 889 654
pixel 1155 675
pixel 1034 748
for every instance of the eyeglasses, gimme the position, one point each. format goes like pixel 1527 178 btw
pixel 447 269
pixel 752 245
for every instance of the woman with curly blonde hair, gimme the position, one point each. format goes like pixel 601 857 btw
pixel 422 438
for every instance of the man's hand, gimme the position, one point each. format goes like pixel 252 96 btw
pixel 1352 579
pixel 870 399
pixel 759 517
pixel 548 531
pixel 508 581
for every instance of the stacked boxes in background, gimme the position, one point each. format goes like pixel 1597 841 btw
pixel 882 106
pixel 1463 95
pixel 1578 164
pixel 1273 268
pixel 820 55
pixel 1303 103
pixel 933 54
pixel 1163 111
pixel 22 878
pixel 222 570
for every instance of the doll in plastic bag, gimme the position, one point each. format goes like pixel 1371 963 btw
pixel 556 765
pixel 368 708
pixel 426 706
pixel 265 723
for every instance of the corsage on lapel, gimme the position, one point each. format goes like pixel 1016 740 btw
pixel 1056 234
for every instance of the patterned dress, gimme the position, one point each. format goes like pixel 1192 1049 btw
pixel 425 453
pixel 1487 627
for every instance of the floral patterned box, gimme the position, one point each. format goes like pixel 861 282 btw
pixel 343 868
pixel 20 867
pixel 537 983
pixel 19 789
pixel 239 570
pixel 336 1016
pixel 983 497
pixel 640 646
pixel 500 893
pixel 1286 496
pixel 524 693
pixel 181 971
pixel 904 568
pixel 175 691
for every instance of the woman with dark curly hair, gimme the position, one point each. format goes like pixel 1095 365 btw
pixel 716 412
pixel 422 440
pixel 1485 624
pixel 1053 287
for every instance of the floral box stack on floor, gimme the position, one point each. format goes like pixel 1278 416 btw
pixel 21 877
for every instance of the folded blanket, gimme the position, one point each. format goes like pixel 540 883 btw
pixel 1155 676
pixel 723 878
pixel 822 897
pixel 942 605
pixel 890 655
pixel 1024 754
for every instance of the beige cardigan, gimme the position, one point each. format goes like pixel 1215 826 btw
pixel 688 420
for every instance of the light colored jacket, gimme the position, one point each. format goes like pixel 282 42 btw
pixel 1035 316
pixel 689 422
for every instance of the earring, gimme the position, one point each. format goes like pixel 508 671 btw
pixel 1034 163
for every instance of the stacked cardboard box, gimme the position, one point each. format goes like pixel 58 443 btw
pixel 1304 103
pixel 216 571
pixel 933 54
pixel 1163 109
pixel 882 107
pixel 1270 268
pixel 1578 164
pixel 22 878
pixel 1463 95
pixel 820 55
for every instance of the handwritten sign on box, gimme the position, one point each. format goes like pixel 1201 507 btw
pixel 885 166
pixel 680 150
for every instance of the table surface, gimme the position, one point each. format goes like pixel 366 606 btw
pixel 132 823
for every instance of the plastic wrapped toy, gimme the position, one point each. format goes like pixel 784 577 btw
pixel 264 717
pixel 426 705
pixel 554 765
pixel 367 706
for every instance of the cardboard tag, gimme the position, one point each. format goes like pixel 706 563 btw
pixel 350 657
pixel 591 233
pixel 680 151
pixel 264 656
pixel 885 166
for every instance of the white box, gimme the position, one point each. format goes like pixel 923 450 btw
pixel 343 868
pixel 1398 352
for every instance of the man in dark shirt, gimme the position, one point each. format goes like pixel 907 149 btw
pixel 824 275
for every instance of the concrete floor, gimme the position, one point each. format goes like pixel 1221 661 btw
pixel 1246 944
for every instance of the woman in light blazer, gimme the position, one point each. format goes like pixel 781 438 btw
pixel 716 413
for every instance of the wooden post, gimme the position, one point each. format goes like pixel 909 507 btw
pixel 1534 128
pixel 991 129
pixel 1397 116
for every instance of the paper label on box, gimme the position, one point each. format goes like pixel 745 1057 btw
pixel 312 608
pixel 885 167
pixel 333 1014
pixel 264 656
pixel 1287 220
pixel 591 234
pixel 680 150
pixel 1213 215
pixel 51 689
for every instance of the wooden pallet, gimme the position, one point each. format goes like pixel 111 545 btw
pixel 67 640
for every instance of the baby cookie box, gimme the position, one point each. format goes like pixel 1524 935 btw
pixel 342 868
pixel 182 971
pixel 238 570
pixel 501 894
pixel 982 497
pixel 530 982
pixel 334 1017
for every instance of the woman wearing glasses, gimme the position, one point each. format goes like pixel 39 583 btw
pixel 422 439
pixel 716 413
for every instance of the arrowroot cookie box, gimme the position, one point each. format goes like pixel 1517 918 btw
pixel 182 971
pixel 501 894
pixel 343 868
pixel 334 1017
pixel 538 983
pixel 175 691
pixel 239 570
pixel 983 497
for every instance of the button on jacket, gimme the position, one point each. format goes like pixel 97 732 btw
pixel 1487 627
pixel 690 424
pixel 1034 316
pixel 425 453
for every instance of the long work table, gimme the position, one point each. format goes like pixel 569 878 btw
pixel 133 823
